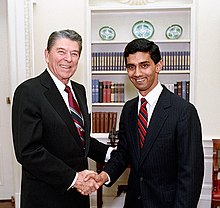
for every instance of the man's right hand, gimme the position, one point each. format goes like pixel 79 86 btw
pixel 86 186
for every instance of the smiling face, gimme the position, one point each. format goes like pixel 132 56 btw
pixel 142 71
pixel 63 58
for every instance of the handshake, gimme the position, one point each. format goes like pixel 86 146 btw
pixel 89 181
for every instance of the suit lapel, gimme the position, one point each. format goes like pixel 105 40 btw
pixel 133 132
pixel 56 100
pixel 158 118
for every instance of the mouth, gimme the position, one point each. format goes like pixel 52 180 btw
pixel 140 80
pixel 65 66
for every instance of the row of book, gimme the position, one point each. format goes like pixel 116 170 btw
pixel 107 92
pixel 114 61
pixel 103 122
pixel 180 88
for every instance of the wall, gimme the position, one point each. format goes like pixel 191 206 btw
pixel 53 15
pixel 208 66
pixel 207 85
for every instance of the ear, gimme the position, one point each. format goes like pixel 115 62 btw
pixel 46 53
pixel 159 66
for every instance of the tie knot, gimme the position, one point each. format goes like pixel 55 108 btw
pixel 143 102
pixel 67 89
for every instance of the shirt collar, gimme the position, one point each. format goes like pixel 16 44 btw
pixel 153 95
pixel 58 83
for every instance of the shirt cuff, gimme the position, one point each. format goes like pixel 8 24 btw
pixel 108 181
pixel 108 154
pixel 74 181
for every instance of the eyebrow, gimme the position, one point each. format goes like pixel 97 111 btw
pixel 143 62
pixel 60 48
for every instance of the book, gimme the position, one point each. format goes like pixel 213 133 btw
pixel 184 89
pixel 112 92
pixel 108 91
pixel 97 122
pixel 179 88
pixel 114 120
pixel 100 92
pixel 187 90
pixel 93 122
pixel 102 122
pixel 110 121
pixel 106 122
pixel 95 90
pixel 104 92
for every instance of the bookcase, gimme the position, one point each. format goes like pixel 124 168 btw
pixel 179 67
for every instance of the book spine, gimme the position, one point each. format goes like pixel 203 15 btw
pixel 100 92
pixel 108 91
pixel 187 90
pixel 106 122
pixel 179 89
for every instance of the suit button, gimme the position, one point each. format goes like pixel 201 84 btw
pixel 141 178
pixel 139 198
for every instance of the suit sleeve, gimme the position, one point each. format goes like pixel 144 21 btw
pixel 97 150
pixel 190 159
pixel 119 160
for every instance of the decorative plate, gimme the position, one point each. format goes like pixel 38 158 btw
pixel 107 33
pixel 143 29
pixel 174 31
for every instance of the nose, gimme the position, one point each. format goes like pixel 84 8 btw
pixel 68 57
pixel 137 71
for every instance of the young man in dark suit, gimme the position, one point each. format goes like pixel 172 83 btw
pixel 165 154
pixel 51 147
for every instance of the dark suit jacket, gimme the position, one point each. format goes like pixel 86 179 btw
pixel 168 171
pixel 48 146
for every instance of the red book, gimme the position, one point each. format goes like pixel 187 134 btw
pixel 104 91
pixel 106 121
pixel 108 91
pixel 93 122
pixel 114 120
pixel 102 122
pixel 110 122
pixel 97 122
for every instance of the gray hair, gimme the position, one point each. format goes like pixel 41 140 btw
pixel 69 34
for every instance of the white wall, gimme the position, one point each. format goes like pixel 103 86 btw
pixel 208 66
pixel 207 80
pixel 51 15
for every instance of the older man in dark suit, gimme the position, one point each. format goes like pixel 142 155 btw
pixel 49 143
pixel 160 140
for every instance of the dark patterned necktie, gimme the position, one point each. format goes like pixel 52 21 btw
pixel 142 121
pixel 75 113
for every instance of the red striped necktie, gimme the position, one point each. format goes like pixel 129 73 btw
pixel 142 121
pixel 75 113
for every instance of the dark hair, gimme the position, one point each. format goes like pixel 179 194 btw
pixel 69 34
pixel 143 45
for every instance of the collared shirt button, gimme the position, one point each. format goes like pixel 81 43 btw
pixel 141 178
